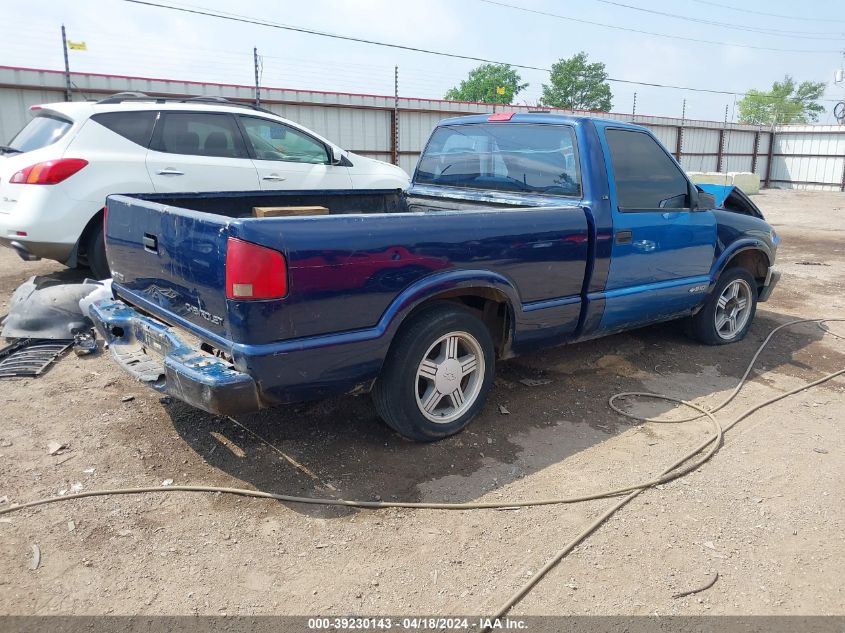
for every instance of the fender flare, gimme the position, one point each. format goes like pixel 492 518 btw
pixel 430 287
pixel 732 251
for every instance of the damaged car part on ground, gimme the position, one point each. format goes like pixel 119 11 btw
pixel 44 320
pixel 519 231
pixel 29 358
pixel 43 310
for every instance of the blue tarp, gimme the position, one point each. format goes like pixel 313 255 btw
pixel 720 192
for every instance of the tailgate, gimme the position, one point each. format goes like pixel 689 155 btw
pixel 169 261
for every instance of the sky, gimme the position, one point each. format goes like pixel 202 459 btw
pixel 131 39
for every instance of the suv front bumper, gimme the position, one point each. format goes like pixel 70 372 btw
pixel 153 353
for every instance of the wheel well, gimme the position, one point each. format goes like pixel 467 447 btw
pixel 491 306
pixel 754 261
pixel 93 224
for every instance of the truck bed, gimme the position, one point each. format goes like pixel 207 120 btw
pixel 240 204
pixel 347 270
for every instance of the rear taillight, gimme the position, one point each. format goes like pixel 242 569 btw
pixel 50 172
pixel 254 272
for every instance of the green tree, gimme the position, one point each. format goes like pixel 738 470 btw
pixel 785 103
pixel 481 85
pixel 578 85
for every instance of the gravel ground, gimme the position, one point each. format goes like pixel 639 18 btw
pixel 765 513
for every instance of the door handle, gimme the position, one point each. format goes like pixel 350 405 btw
pixel 170 172
pixel 624 237
pixel 274 177
pixel 150 243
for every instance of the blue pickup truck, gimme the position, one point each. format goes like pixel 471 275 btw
pixel 519 231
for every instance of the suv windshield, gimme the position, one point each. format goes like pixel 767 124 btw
pixel 45 129
pixel 508 157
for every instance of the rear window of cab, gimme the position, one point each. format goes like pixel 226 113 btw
pixel 517 157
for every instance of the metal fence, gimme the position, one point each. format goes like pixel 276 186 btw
pixel 395 129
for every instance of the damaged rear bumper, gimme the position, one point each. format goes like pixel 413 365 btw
pixel 153 353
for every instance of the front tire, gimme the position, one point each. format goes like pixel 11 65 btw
pixel 729 310
pixel 437 375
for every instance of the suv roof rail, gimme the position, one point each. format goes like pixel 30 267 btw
pixel 123 97
pixel 211 99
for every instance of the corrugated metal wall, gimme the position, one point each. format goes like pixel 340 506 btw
pixel 809 157
pixel 802 156
pixel 14 108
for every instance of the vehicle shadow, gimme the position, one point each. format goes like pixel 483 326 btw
pixel 63 276
pixel 556 401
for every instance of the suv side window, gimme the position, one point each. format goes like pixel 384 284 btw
pixel 134 126
pixel 271 140
pixel 646 177
pixel 198 134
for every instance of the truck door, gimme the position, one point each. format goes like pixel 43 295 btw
pixel 662 249
pixel 199 151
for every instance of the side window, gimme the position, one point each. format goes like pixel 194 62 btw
pixel 271 140
pixel 45 129
pixel 646 177
pixel 134 126
pixel 199 134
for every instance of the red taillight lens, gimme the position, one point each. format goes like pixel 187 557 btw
pixel 254 272
pixel 50 172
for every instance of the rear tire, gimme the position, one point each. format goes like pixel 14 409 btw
pixel 437 375
pixel 95 252
pixel 728 311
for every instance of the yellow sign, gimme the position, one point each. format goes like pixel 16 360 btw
pixel 500 90
pixel 77 46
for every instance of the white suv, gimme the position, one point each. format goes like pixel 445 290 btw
pixel 57 171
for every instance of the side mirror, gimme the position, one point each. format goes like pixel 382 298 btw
pixel 694 200
pixel 701 200
pixel 706 201
pixel 335 156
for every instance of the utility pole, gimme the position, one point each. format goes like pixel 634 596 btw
pixel 634 107
pixel 721 153
pixel 395 121
pixel 257 82
pixel 68 95
pixel 679 143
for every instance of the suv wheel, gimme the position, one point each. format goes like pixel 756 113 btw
pixel 95 253
pixel 437 375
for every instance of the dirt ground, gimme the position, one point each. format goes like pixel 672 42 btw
pixel 766 513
